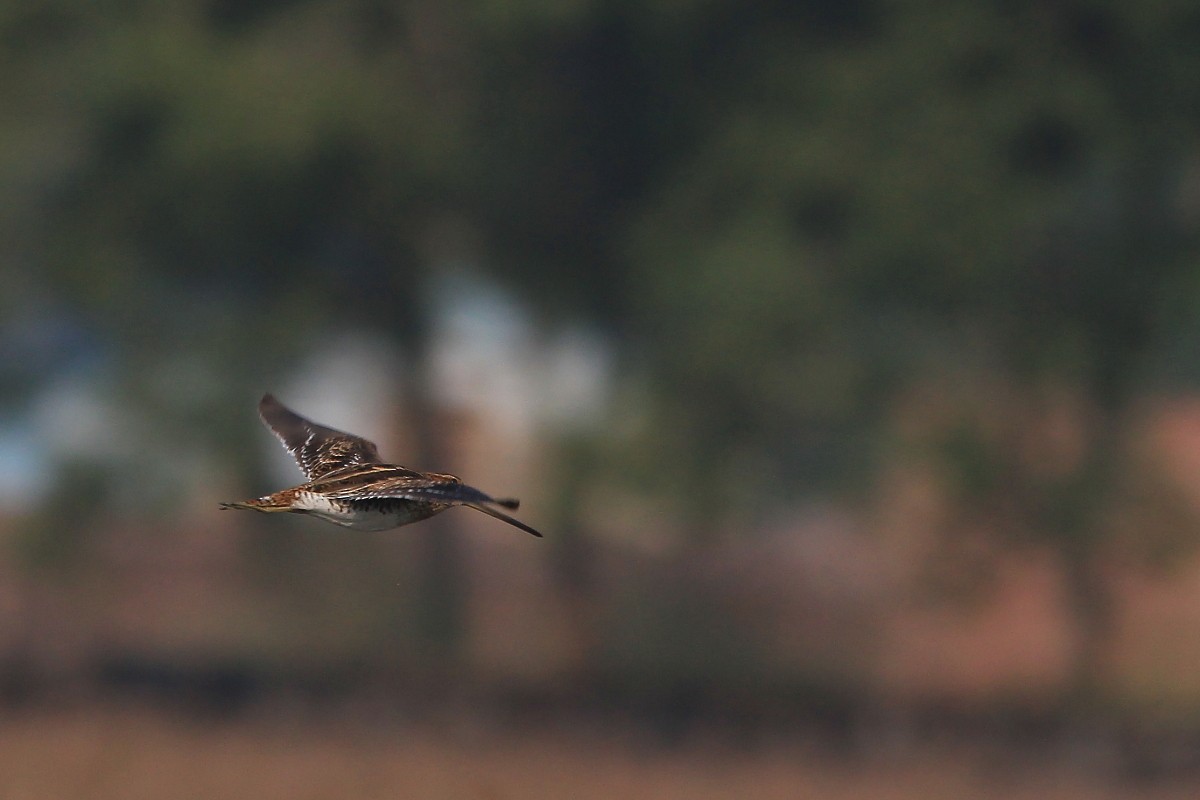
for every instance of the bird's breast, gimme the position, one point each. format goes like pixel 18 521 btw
pixel 370 514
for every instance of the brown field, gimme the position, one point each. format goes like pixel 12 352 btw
pixel 137 753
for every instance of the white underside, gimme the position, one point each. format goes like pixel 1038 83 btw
pixel 321 507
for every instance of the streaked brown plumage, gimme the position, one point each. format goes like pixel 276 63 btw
pixel 348 484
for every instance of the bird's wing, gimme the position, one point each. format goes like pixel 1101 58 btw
pixel 318 450
pixel 398 483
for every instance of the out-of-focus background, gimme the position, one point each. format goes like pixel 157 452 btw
pixel 847 353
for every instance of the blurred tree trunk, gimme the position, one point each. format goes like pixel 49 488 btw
pixel 573 560
pixel 1078 515
pixel 1092 608
pixel 442 588
pixel 1069 511
pixel 400 301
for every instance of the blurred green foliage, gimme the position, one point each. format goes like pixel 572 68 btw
pixel 783 214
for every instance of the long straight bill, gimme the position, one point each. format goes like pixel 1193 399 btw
pixel 500 515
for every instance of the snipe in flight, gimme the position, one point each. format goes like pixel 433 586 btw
pixel 349 485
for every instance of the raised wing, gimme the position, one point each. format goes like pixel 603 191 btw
pixel 318 450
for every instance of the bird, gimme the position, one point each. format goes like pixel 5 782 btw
pixel 349 485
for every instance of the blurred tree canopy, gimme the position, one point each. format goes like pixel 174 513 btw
pixel 783 214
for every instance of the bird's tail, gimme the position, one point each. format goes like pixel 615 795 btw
pixel 264 504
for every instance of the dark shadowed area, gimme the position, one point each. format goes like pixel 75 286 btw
pixel 846 353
